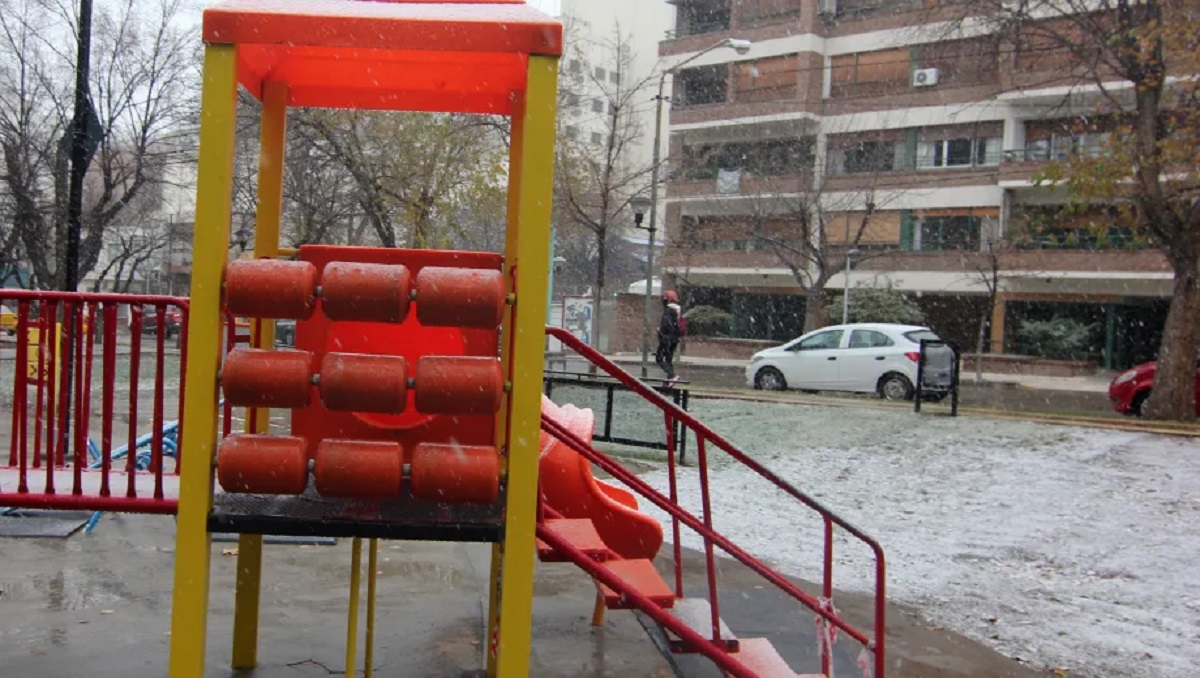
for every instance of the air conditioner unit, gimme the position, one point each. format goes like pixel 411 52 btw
pixel 925 77
pixel 827 7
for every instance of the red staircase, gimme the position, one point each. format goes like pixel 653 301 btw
pixel 693 624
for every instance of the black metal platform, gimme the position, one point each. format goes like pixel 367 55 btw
pixel 311 515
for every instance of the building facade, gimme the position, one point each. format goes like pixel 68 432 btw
pixel 935 127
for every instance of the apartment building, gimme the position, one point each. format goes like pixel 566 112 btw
pixel 842 106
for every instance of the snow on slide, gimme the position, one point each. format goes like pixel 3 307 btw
pixel 569 488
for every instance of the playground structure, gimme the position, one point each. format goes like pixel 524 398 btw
pixel 415 385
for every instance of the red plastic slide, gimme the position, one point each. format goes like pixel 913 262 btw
pixel 569 488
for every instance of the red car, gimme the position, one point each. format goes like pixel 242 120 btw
pixel 1130 390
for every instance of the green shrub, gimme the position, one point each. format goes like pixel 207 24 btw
pixel 708 321
pixel 876 305
pixel 1056 339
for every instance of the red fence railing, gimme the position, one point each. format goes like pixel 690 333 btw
pixel 81 365
pixel 703 525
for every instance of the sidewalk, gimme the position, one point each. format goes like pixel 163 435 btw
pixel 1096 383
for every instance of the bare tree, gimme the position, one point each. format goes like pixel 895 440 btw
pixel 1137 59
pixel 143 75
pixel 411 171
pixel 595 183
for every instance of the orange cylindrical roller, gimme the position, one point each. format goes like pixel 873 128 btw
pixel 359 469
pixel 259 464
pixel 455 473
pixel 367 292
pixel 460 297
pixel 269 288
pixel 260 378
pixel 452 385
pixel 357 382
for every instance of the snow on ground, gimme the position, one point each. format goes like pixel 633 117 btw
pixel 1065 547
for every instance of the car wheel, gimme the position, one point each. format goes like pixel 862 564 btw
pixel 895 387
pixel 770 379
pixel 1139 403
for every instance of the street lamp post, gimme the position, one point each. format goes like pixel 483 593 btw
pixel 850 254
pixel 739 46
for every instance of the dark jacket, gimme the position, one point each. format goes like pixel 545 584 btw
pixel 668 329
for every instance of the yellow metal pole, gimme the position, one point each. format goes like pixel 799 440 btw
pixel 514 203
pixel 529 253
pixel 266 244
pixel 369 652
pixel 214 186
pixel 352 620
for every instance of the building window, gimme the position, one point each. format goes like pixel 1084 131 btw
pixel 601 74
pixel 963 152
pixel 774 157
pixel 870 73
pixel 597 138
pixel 1063 146
pixel 572 132
pixel 575 66
pixel 943 234
pixel 614 77
pixel 702 85
pixel 870 156
pixel 597 105
pixel 699 17
pixel 573 100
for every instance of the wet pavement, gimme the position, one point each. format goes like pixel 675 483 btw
pixel 98 606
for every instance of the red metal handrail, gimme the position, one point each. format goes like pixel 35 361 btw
pixel 68 397
pixel 703 527
pixel 718 654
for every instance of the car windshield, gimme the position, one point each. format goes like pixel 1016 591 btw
pixel 917 336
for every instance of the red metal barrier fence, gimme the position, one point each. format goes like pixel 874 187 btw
pixel 80 366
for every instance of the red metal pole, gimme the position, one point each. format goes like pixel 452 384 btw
pixel 49 322
pixel 19 381
pixel 715 652
pixel 41 394
pixel 673 488
pixel 183 334
pixel 108 395
pixel 80 409
pixel 709 561
pixel 156 450
pixel 135 361
pixel 21 373
pixel 827 593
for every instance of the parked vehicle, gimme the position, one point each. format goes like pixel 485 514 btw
pixel 862 358
pixel 1130 390
pixel 172 322
pixel 8 321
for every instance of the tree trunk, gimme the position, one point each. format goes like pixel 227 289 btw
pixel 598 290
pixel 979 341
pixel 814 310
pixel 1174 394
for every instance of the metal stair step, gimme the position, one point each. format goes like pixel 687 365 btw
pixel 696 614
pixel 760 656
pixel 581 533
pixel 641 576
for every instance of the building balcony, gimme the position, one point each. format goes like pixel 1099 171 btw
pixel 738 184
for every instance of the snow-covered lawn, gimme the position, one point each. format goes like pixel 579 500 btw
pixel 1069 548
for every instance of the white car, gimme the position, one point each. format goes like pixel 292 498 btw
pixel 863 358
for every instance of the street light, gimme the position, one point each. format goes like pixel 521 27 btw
pixel 850 254
pixel 640 206
pixel 739 46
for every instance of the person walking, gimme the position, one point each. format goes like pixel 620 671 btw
pixel 668 335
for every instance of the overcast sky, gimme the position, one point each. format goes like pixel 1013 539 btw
pixel 548 6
